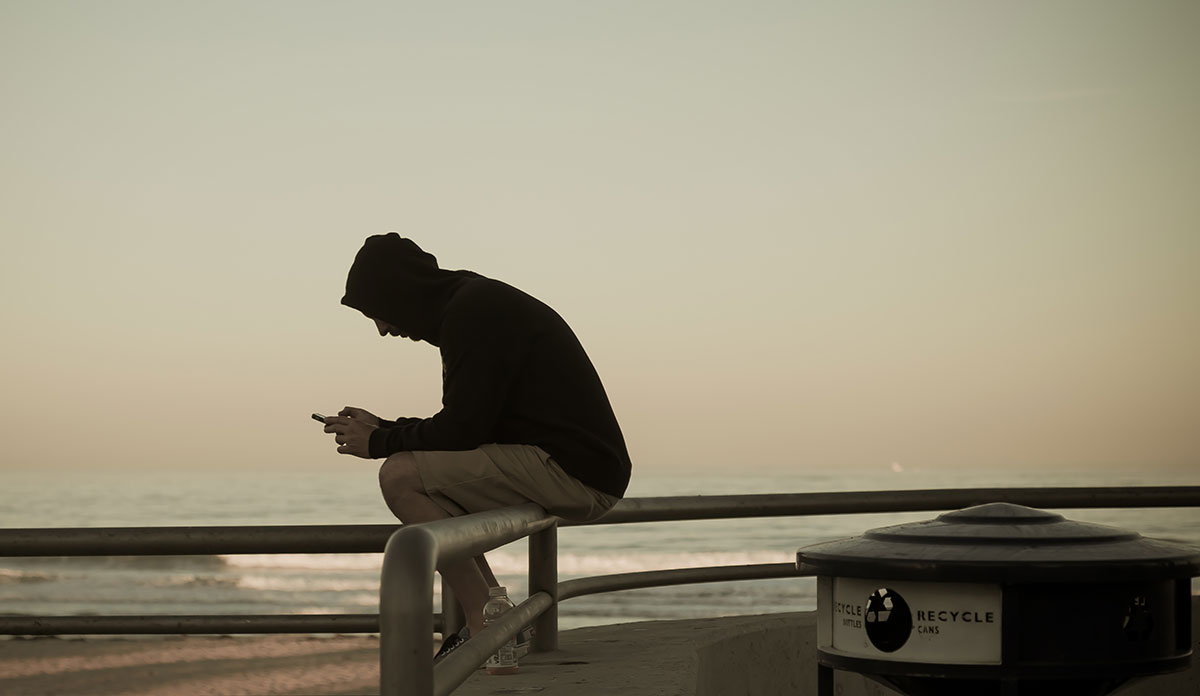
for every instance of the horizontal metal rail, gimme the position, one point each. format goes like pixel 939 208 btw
pixel 209 541
pixel 712 507
pixel 597 584
pixel 229 540
pixel 192 624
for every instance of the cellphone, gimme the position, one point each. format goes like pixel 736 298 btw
pixel 318 417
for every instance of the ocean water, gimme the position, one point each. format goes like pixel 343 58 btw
pixel 349 583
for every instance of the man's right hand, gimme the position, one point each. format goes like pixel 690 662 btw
pixel 358 414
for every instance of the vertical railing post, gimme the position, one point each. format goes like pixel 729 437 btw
pixel 543 577
pixel 406 613
pixel 453 617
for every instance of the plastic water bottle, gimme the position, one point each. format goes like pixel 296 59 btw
pixel 504 661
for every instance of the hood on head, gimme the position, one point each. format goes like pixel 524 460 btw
pixel 394 280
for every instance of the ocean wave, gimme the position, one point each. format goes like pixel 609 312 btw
pixel 307 561
pixel 584 564
pixel 516 563
pixel 292 583
pixel 90 563
pixel 14 577
pixel 191 581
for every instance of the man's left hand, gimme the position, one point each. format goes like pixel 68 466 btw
pixel 353 436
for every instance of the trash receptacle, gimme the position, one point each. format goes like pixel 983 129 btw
pixel 1001 599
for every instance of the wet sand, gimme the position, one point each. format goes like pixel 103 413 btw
pixel 191 666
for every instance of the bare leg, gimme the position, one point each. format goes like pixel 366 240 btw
pixel 406 497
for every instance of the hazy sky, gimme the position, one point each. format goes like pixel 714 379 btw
pixel 791 235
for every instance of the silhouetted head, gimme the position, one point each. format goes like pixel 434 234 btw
pixel 400 287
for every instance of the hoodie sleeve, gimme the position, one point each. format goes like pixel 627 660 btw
pixel 482 355
pixel 385 424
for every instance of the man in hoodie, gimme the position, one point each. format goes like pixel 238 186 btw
pixel 524 415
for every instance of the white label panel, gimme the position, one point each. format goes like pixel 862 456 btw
pixel 936 622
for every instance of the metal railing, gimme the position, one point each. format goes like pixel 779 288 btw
pixel 411 553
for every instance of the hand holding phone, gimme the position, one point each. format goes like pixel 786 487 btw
pixel 360 414
pixel 352 435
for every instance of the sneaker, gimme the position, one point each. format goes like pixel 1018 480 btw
pixel 451 643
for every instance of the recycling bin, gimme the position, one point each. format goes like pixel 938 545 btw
pixel 1001 599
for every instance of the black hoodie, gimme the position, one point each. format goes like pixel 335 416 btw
pixel 513 371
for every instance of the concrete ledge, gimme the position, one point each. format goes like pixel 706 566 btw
pixel 654 657
pixel 745 655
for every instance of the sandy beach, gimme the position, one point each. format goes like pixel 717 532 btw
pixel 191 666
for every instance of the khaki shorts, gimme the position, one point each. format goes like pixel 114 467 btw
pixel 496 476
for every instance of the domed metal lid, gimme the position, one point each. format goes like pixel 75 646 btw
pixel 1001 542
